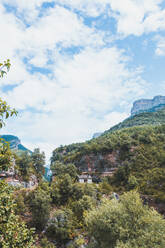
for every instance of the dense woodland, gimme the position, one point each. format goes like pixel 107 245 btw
pixel 66 213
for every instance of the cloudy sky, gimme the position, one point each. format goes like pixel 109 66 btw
pixel 78 65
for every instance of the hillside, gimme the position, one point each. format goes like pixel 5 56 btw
pixel 136 147
pixel 147 118
pixel 15 143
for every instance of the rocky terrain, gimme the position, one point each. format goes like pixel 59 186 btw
pixel 148 105
pixel 15 142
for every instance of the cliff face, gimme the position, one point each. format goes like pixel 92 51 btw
pixel 15 143
pixel 148 105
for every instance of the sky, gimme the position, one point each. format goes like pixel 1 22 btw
pixel 78 65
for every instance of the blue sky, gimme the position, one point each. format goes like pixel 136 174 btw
pixel 78 65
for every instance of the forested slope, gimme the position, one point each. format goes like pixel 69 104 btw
pixel 148 118
pixel 138 152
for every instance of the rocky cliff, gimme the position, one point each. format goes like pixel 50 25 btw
pixel 148 105
pixel 15 143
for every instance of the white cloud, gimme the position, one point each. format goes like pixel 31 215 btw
pixel 87 86
pixel 64 28
pixel 160 50
pixel 27 10
pixel 91 8
pixel 137 16
pixel 112 119
pixel 83 89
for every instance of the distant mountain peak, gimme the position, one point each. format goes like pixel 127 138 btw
pixel 148 105
pixel 15 142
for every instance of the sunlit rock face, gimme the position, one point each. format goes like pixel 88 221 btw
pixel 14 141
pixel 148 105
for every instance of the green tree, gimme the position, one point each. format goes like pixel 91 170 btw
pixel 39 201
pixel 61 189
pixel 125 223
pixel 5 109
pixel 38 159
pixel 13 232
pixel 44 243
pixel 60 227
pixel 25 165
pixel 4 67
pixel 6 155
pixel 84 204
pixel 59 169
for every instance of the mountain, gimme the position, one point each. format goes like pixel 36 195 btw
pixel 15 143
pixel 135 148
pixel 157 117
pixel 148 105
pixel 143 112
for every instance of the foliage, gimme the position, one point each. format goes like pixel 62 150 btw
pixel 126 223
pixel 20 203
pixel 39 202
pixel 84 204
pixel 4 67
pixel 61 189
pixel 139 155
pixel 25 165
pixel 60 227
pixel 5 112
pixel 13 232
pixel 147 118
pixel 38 160
pixel 59 169
pixel 46 244
pixel 6 157
pixel 132 182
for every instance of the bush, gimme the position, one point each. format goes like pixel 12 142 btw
pixel 40 208
pixel 125 223
pixel 60 227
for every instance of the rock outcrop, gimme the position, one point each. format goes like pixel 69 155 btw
pixel 148 105
pixel 15 143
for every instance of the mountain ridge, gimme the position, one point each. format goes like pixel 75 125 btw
pixel 148 105
pixel 15 142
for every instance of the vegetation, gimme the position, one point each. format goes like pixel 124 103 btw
pixel 147 118
pixel 13 232
pixel 125 223
pixel 139 156
pixel 65 213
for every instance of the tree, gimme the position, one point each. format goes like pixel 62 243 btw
pixel 4 67
pixel 5 110
pixel 6 156
pixel 13 232
pixel 61 189
pixel 39 202
pixel 61 228
pixel 38 160
pixel 59 169
pixel 24 163
pixel 125 224
pixel 84 204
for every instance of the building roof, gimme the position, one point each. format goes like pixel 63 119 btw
pixel 85 177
